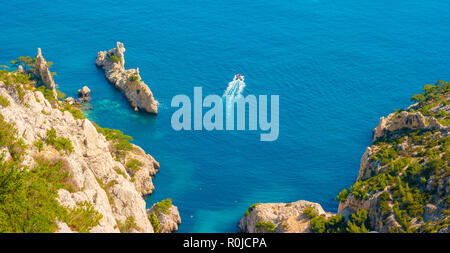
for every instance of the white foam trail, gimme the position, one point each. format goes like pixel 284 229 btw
pixel 235 87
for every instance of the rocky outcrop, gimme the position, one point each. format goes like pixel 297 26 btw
pixel 127 81
pixel 402 185
pixel 378 223
pixel 286 218
pixel 43 72
pixel 404 120
pixel 143 177
pixel 98 177
pixel 84 94
pixel 168 220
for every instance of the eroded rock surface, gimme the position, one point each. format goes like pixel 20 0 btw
pixel 43 72
pixel 285 217
pixel 99 178
pixel 168 220
pixel 127 81
pixel 402 185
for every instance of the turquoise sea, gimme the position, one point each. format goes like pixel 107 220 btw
pixel 338 66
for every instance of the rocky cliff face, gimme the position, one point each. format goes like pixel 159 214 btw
pixel 279 217
pixel 405 120
pixel 99 175
pixel 168 219
pixel 127 81
pixel 402 144
pixel 403 179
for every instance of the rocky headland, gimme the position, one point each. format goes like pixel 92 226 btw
pixel 164 216
pixel 62 172
pixel 127 81
pixel 402 184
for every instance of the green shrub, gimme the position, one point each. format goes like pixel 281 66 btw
pixel 27 63
pixel 39 144
pixel 114 58
pixel 133 78
pixel 342 196
pixel 14 78
pixel 317 224
pixel 134 165
pixel 120 140
pixel 383 203
pixel 59 143
pixel 155 222
pixel 20 92
pixel 28 197
pixel 7 133
pixel 48 93
pixel 163 206
pixel 8 139
pixel 60 95
pixel 358 222
pixel 76 113
pixel 265 226
pixel 83 217
pixel 120 172
pixel 310 212
pixel 335 224
pixel 359 190
pixel 127 226
pixel 4 101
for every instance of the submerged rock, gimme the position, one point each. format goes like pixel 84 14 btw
pixel 127 81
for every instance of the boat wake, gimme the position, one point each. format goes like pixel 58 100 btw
pixel 235 87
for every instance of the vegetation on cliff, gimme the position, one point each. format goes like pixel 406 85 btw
pixel 403 182
pixel 33 175
pixel 412 170
pixel 163 216
pixel 28 194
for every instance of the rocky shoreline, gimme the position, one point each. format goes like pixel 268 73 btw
pixel 105 171
pixel 127 81
pixel 402 184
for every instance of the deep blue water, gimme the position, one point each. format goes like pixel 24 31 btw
pixel 337 65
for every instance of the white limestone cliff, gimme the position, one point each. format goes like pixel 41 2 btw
pixel 99 178
pixel 127 81
pixel 285 217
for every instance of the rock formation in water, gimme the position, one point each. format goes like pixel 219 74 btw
pixel 43 72
pixel 402 184
pixel 107 175
pixel 127 81
pixel 84 94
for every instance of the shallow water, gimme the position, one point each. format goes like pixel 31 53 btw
pixel 337 65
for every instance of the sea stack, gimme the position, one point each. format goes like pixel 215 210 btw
pixel 127 81
pixel 43 72
pixel 84 94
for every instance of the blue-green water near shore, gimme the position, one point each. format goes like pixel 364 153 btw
pixel 337 66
